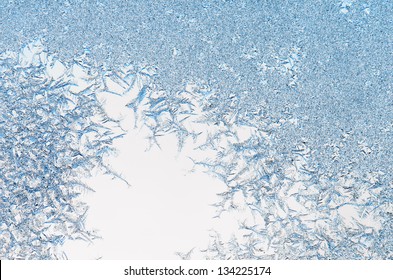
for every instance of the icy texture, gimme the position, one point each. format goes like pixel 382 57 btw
pixel 291 99
pixel 299 210
pixel 339 79
pixel 53 133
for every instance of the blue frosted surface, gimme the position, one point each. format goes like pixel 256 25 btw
pixel 310 81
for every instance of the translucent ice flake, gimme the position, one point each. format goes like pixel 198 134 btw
pixel 355 7
pixel 47 107
pixel 345 5
pixel 287 63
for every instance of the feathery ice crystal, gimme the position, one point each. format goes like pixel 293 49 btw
pixel 54 131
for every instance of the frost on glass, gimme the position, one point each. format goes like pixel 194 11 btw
pixel 354 6
pixel 286 63
pixel 298 210
pixel 53 133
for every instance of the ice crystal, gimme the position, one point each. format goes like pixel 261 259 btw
pixel 53 133
pixel 299 210
pixel 54 130
pixel 286 63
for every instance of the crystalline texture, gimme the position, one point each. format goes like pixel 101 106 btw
pixel 46 108
pixel 306 213
pixel 53 130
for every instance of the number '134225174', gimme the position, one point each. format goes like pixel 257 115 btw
pixel 244 270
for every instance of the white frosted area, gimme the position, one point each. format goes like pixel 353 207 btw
pixel 168 204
